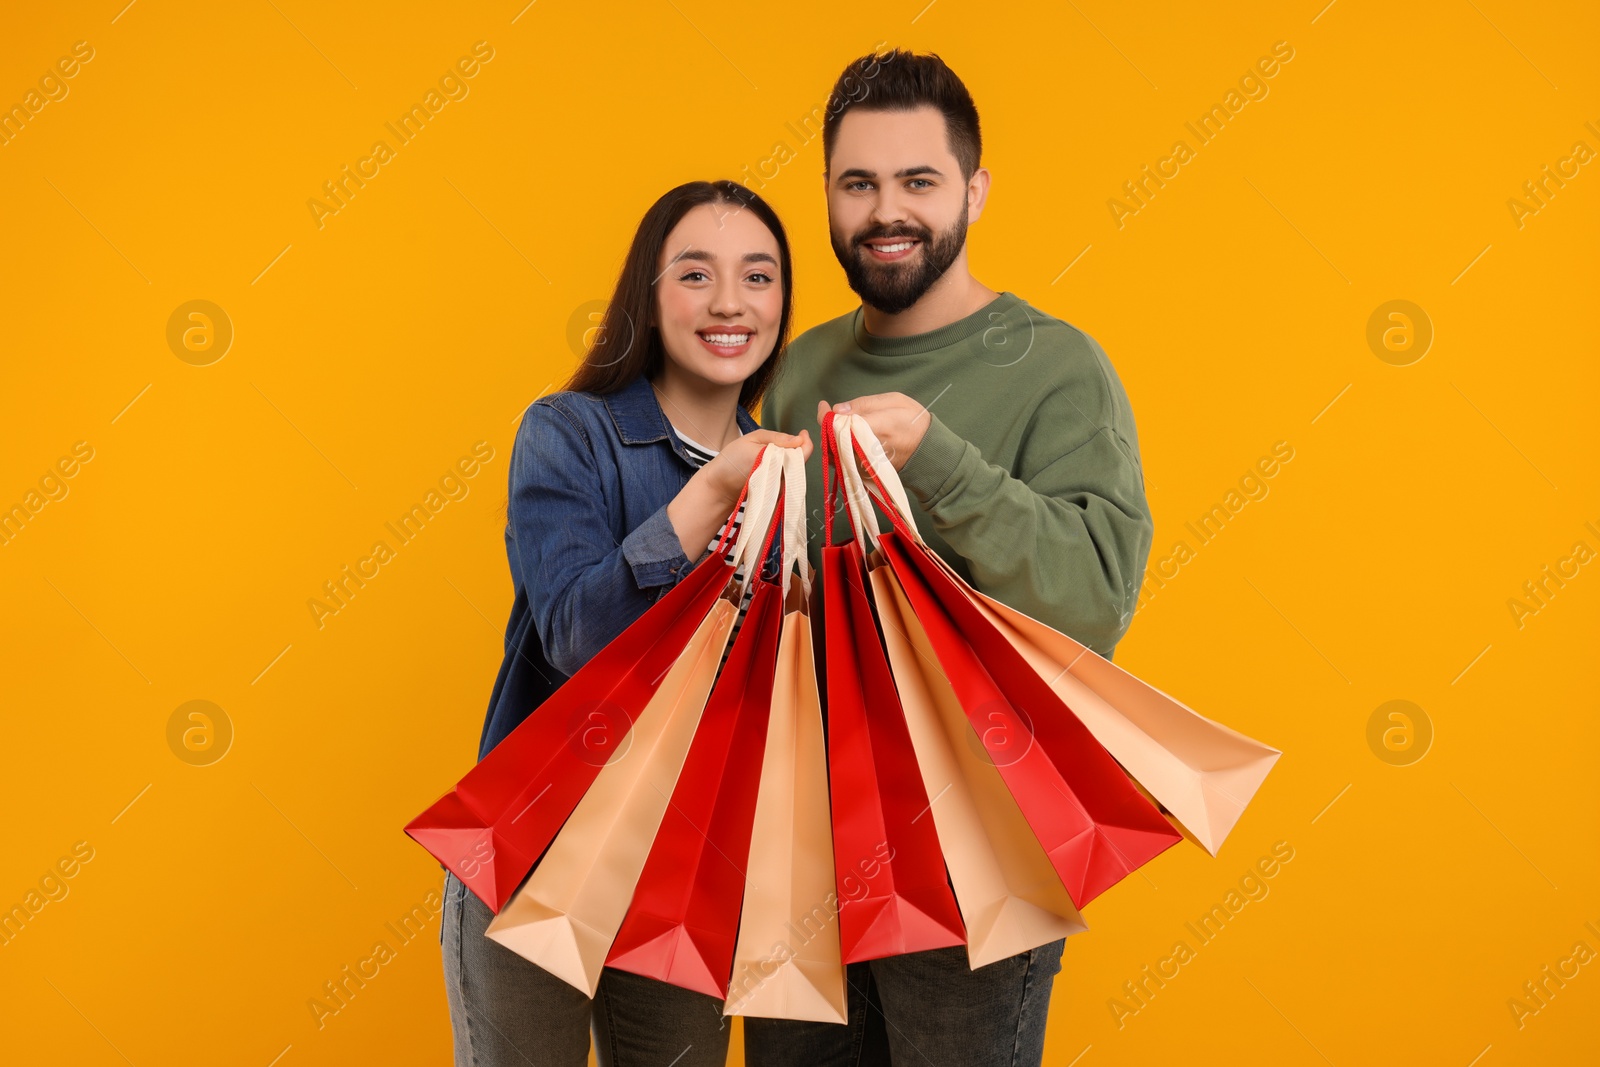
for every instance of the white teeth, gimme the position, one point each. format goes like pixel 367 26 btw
pixel 727 340
pixel 899 247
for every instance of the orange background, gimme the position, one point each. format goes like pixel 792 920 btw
pixel 372 352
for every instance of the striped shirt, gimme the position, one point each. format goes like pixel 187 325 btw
pixel 700 455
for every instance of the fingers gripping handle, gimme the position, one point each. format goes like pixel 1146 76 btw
pixel 761 497
pixel 850 446
pixel 871 452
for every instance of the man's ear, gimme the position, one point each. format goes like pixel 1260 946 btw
pixel 977 194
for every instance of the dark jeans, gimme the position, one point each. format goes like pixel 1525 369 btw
pixel 937 1013
pixel 508 1012
pixel 928 1009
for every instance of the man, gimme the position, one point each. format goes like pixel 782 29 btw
pixel 1016 444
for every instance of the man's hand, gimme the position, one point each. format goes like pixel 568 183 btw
pixel 897 421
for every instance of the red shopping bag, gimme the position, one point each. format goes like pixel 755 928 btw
pixel 893 893
pixel 1094 824
pixel 683 922
pixel 494 825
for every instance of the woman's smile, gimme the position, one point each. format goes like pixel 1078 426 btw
pixel 726 341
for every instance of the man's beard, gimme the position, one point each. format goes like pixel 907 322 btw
pixel 893 287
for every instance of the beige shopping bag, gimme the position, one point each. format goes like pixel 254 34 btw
pixel 1202 772
pixel 787 964
pixel 1010 896
pixel 565 917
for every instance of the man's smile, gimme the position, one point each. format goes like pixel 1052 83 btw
pixel 889 249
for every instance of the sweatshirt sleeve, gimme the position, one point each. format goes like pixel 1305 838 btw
pixel 1068 543
pixel 583 586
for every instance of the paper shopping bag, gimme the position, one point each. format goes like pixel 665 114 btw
pixel 566 915
pixel 683 920
pixel 1010 896
pixel 493 826
pixel 1204 773
pixel 787 964
pixel 893 893
pixel 1009 893
pixel 1093 823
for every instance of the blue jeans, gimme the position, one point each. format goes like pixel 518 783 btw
pixel 936 1010
pixel 508 1012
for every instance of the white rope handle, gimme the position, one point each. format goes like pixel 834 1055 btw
pixel 760 501
pixel 852 428
pixel 795 559
pixel 858 506
pixel 878 460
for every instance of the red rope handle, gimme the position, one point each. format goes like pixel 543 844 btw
pixel 830 475
pixel 727 527
pixel 766 544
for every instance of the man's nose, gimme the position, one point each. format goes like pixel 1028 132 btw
pixel 888 208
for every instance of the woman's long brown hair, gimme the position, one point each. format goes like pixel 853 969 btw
pixel 628 343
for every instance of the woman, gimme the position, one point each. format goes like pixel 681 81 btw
pixel 620 484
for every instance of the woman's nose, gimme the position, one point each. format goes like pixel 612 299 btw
pixel 726 299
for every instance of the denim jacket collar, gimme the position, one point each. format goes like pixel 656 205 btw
pixel 639 419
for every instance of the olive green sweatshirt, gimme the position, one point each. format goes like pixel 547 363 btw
pixel 1027 482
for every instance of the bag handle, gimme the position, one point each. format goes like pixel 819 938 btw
pixel 836 483
pixel 858 504
pixel 830 474
pixel 760 499
pixel 850 435
pixel 872 454
pixel 795 558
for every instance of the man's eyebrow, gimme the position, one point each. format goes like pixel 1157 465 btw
pixel 906 172
pixel 707 257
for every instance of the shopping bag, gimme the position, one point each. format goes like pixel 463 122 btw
pixel 1094 824
pixel 683 920
pixel 787 963
pixel 493 826
pixel 566 915
pixel 893 894
pixel 1204 773
pixel 568 911
pixel 1010 896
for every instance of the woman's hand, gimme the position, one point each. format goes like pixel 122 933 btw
pixel 706 501
pixel 731 468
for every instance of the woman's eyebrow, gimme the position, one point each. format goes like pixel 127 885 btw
pixel 708 257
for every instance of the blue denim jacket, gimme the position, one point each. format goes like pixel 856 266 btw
pixel 587 536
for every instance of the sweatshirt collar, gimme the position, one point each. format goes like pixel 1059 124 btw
pixel 942 337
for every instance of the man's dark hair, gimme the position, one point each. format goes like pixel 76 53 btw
pixel 903 81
